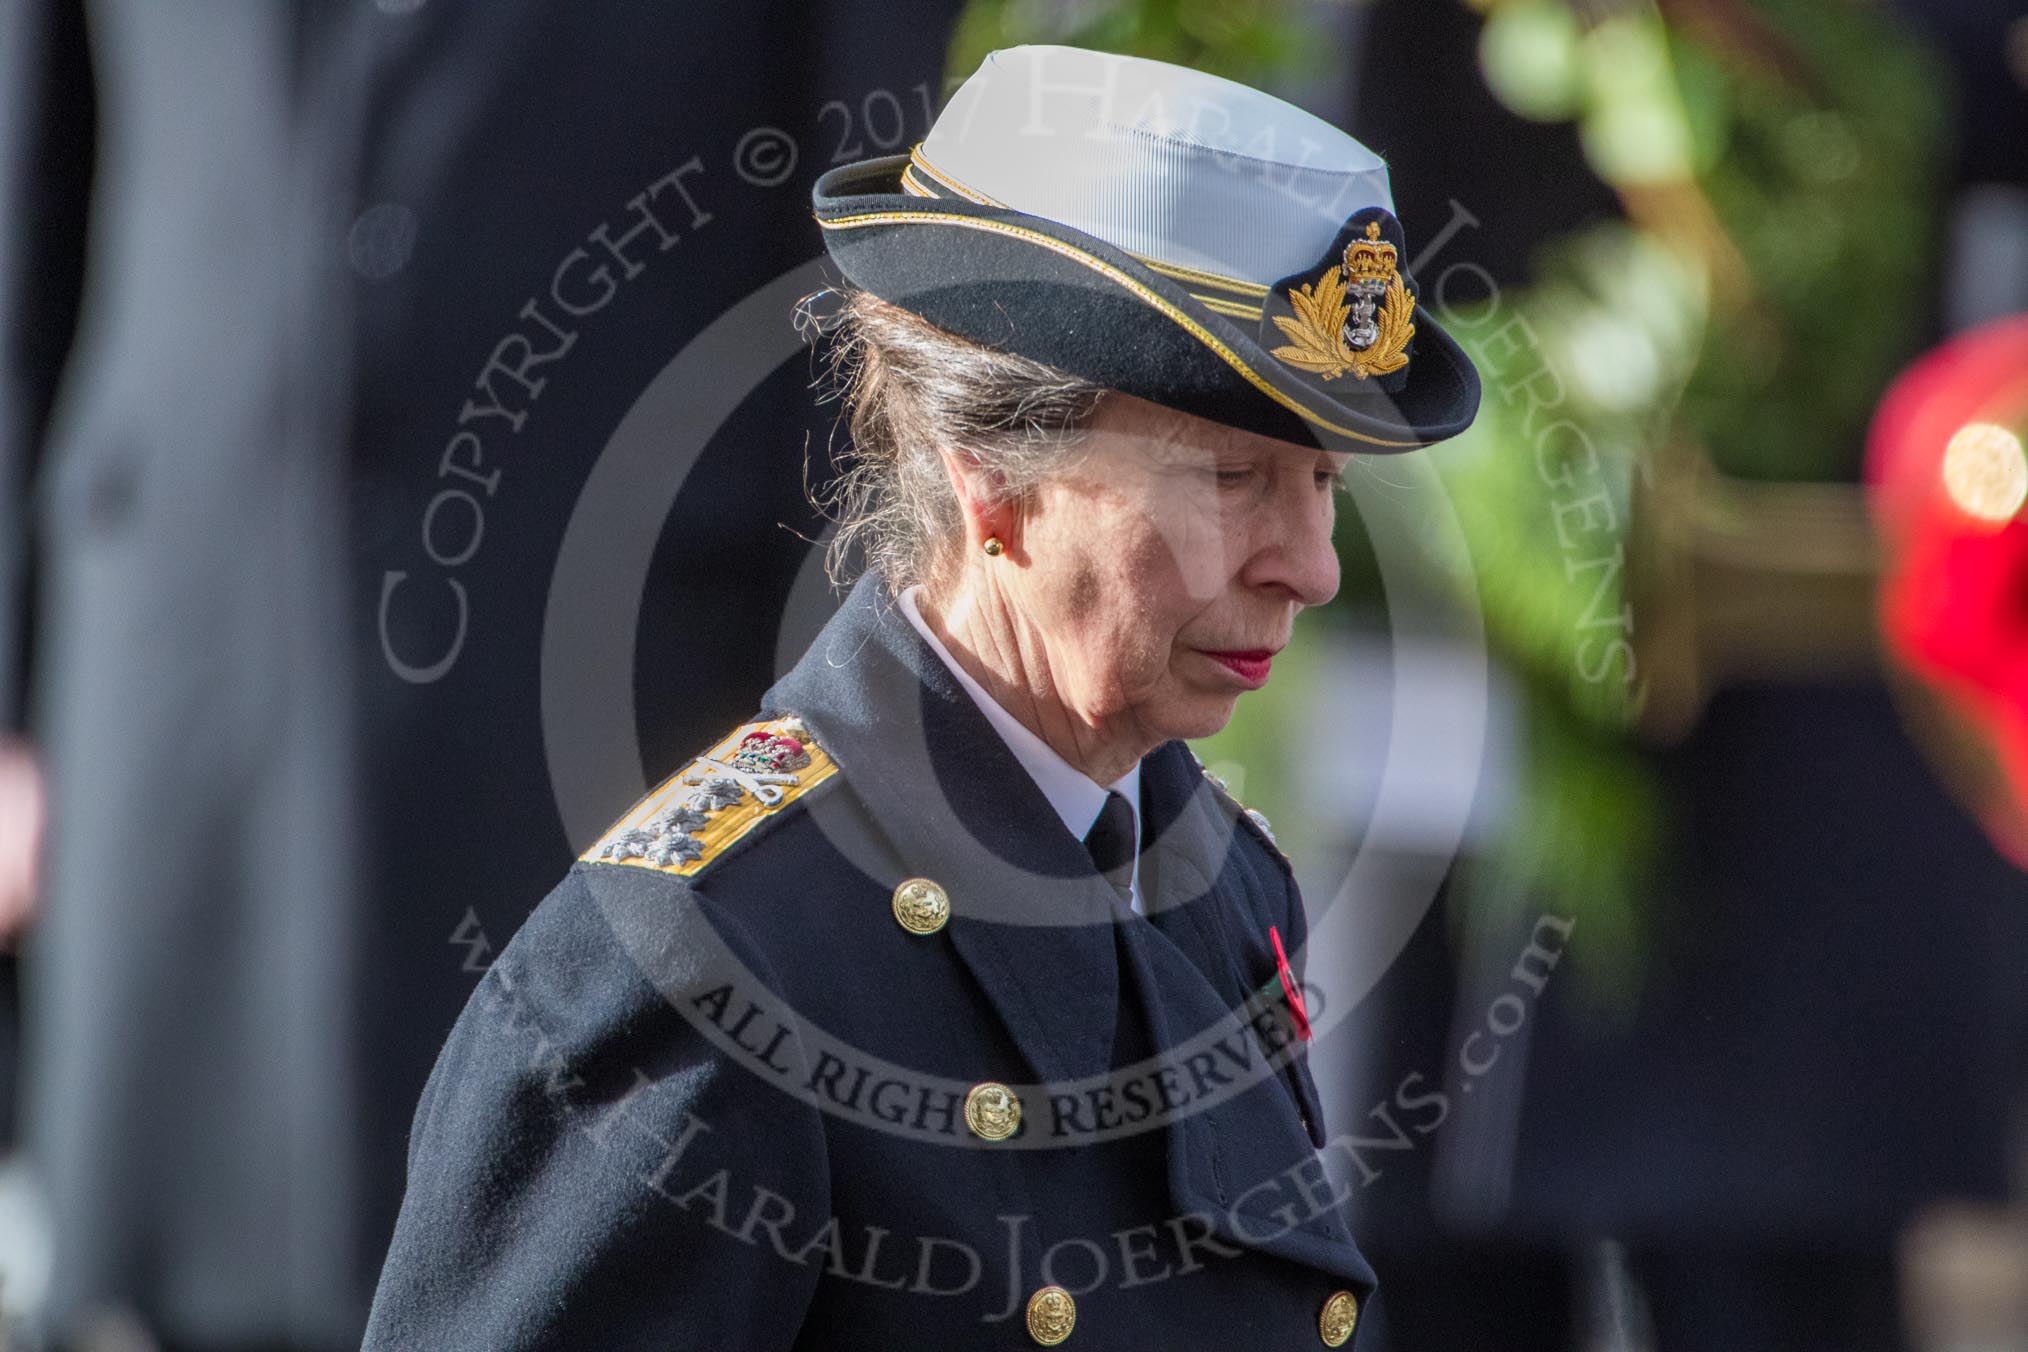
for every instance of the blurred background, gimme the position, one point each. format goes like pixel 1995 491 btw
pixel 1656 782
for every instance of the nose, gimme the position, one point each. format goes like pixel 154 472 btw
pixel 1293 552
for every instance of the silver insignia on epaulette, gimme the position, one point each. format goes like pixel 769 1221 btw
pixel 713 791
pixel 675 848
pixel 664 839
pixel 626 845
pixel 676 817
pixel 1259 819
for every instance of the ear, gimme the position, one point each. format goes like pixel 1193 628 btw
pixel 985 509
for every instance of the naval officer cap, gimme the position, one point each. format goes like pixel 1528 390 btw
pixel 1166 233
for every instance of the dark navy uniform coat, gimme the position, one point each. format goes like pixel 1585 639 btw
pixel 722 1098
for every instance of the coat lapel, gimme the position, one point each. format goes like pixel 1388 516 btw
pixel 1230 1161
pixel 1216 912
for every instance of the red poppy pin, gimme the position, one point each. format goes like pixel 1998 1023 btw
pixel 1289 987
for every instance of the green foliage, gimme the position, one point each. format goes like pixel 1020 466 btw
pixel 1575 371
pixel 1811 129
pixel 1825 177
pixel 1253 41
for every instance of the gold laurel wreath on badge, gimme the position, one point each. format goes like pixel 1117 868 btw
pixel 1318 329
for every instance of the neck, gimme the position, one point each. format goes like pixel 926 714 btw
pixel 1012 661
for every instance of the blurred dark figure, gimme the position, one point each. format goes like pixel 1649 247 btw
pixel 369 286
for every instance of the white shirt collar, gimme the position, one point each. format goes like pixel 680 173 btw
pixel 1076 797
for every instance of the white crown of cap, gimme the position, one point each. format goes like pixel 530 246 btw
pixel 1162 161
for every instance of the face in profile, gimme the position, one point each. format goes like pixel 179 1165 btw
pixel 1165 566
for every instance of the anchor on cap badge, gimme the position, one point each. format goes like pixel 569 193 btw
pixel 1353 313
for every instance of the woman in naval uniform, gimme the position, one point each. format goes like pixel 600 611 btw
pixel 947 1003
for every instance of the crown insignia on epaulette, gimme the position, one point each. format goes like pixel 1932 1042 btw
pixel 752 774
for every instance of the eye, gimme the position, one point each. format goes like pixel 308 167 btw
pixel 1232 478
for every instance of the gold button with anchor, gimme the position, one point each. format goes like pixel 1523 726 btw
pixel 1340 1313
pixel 1052 1314
pixel 992 1111
pixel 921 905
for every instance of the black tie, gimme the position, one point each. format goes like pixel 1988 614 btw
pixel 1112 844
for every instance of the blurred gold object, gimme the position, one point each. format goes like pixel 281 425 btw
pixel 1733 580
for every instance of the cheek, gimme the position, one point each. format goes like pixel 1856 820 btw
pixel 1130 578
pixel 1183 569
pixel 1192 531
pixel 1156 599
pixel 1116 600
pixel 1083 593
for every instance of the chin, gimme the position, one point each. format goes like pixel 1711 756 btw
pixel 1203 718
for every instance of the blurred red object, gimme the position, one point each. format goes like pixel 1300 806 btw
pixel 1946 482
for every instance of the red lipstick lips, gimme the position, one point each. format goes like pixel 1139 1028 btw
pixel 1250 664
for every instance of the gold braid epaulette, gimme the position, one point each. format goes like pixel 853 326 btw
pixel 753 773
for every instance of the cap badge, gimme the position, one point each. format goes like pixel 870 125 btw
pixel 1355 317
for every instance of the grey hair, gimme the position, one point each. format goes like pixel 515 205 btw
pixel 911 390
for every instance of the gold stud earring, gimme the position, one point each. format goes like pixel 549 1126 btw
pixel 993 546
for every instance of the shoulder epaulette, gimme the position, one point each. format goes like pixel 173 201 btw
pixel 753 773
pixel 1256 818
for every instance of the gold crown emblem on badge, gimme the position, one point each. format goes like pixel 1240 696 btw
pixel 1355 319
pixel 1370 259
